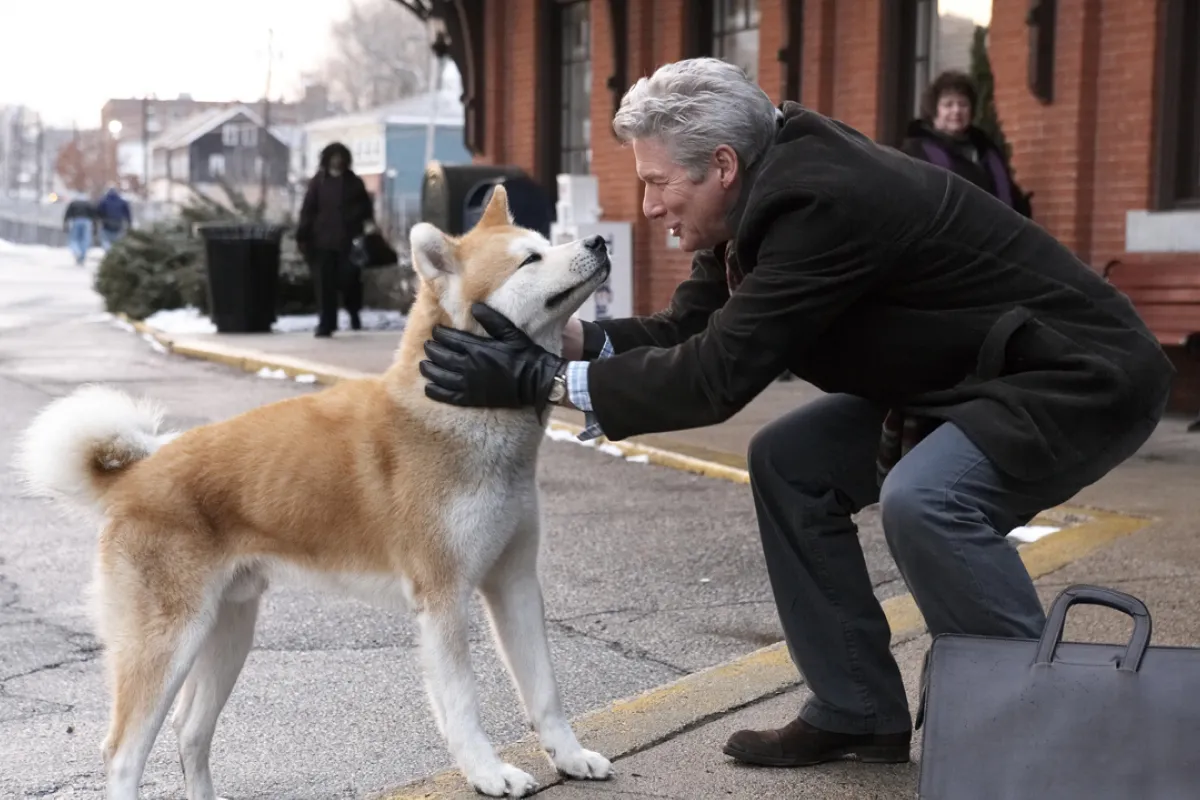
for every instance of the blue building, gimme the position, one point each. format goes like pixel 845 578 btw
pixel 389 144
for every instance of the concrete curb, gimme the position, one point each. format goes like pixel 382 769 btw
pixel 244 358
pixel 634 724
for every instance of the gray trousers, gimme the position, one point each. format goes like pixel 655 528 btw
pixel 945 511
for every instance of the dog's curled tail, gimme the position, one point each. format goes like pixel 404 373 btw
pixel 78 445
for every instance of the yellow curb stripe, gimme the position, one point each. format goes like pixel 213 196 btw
pixel 253 361
pixel 663 458
pixel 247 359
pixel 630 725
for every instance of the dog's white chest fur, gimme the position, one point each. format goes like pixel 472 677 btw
pixel 498 496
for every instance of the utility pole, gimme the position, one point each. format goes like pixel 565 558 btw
pixel 438 51
pixel 40 150
pixel 263 150
pixel 18 157
pixel 145 147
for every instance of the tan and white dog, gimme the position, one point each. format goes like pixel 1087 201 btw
pixel 366 487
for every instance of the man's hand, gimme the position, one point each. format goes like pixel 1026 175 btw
pixel 573 340
pixel 508 370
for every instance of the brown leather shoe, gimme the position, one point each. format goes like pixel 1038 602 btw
pixel 799 744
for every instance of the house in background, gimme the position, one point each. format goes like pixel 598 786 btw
pixel 135 121
pixel 223 142
pixel 389 143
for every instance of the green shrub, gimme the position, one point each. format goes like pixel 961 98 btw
pixel 153 269
pixel 163 267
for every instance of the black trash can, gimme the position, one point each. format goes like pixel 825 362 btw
pixel 529 204
pixel 243 274
pixel 453 196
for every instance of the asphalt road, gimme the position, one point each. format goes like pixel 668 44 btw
pixel 649 573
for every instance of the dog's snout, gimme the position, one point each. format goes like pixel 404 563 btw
pixel 594 243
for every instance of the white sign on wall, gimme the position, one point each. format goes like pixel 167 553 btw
pixel 614 298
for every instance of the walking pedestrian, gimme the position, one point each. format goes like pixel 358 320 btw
pixel 79 222
pixel 114 217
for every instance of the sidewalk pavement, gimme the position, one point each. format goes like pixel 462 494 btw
pixel 1131 531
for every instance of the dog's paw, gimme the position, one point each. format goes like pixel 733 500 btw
pixel 504 781
pixel 583 764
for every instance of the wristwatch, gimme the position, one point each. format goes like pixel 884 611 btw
pixel 558 386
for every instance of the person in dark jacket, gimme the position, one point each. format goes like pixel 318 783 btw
pixel 975 372
pixel 336 212
pixel 113 217
pixel 944 135
pixel 79 222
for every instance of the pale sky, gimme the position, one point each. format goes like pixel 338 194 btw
pixel 65 58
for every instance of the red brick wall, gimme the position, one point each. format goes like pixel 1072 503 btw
pixel 856 52
pixel 1126 108
pixel 1088 155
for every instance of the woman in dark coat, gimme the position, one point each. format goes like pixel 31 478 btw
pixel 336 211
pixel 945 136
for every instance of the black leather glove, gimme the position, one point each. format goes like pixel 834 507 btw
pixel 508 370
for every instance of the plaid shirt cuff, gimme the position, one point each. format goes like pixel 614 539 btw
pixel 581 398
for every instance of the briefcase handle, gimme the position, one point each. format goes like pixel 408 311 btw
pixel 1099 596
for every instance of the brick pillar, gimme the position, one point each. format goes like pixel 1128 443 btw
pixel 520 110
pixel 819 55
pixel 856 64
pixel 772 34
pixel 1054 146
pixel 1126 128
pixel 495 64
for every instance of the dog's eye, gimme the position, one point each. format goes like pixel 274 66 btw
pixel 530 259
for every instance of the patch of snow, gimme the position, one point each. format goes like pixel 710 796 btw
pixel 1031 533
pixel 372 320
pixel 559 435
pixel 155 344
pixel 267 372
pixel 181 320
pixel 306 378
pixel 190 320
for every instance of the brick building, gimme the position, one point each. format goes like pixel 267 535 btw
pixel 1097 98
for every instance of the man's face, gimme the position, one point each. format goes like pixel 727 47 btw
pixel 337 163
pixel 693 211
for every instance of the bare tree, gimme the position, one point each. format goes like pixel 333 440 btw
pixel 379 54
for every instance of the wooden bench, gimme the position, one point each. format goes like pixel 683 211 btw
pixel 1167 296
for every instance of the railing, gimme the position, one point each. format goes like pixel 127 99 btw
pixel 31 231
pixel 29 222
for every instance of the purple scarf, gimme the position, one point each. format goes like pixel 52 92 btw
pixel 938 155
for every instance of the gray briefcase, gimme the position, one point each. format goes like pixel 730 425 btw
pixel 1029 719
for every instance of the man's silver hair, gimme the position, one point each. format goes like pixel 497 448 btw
pixel 696 105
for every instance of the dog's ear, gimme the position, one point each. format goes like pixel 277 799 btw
pixel 433 253
pixel 497 211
